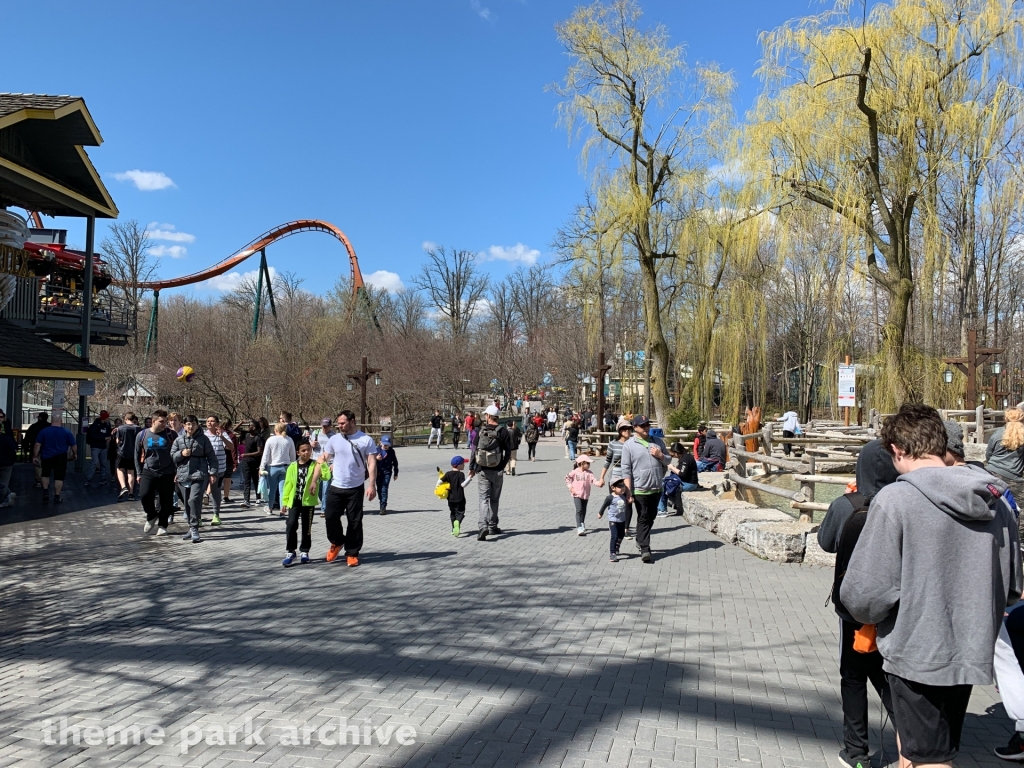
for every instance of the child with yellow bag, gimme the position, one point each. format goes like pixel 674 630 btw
pixel 451 486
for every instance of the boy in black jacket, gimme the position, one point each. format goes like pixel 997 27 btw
pixel 875 470
pixel 456 494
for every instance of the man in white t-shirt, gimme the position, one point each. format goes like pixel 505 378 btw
pixel 353 458
pixel 552 422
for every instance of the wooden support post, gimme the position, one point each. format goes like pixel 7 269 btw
pixel 979 425
pixel 807 487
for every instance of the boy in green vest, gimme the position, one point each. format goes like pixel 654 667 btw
pixel 301 484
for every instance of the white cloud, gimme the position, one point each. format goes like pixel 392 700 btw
pixel 517 252
pixel 174 251
pixel 731 172
pixel 481 10
pixel 232 280
pixel 389 281
pixel 169 233
pixel 429 245
pixel 147 181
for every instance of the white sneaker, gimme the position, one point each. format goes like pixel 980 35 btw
pixel 581 531
pixel 161 531
pixel 149 526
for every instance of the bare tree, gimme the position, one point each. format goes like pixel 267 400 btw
pixel 126 251
pixel 451 280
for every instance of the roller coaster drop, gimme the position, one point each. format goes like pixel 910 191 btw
pixel 259 245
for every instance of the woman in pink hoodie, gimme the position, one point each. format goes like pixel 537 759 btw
pixel 579 482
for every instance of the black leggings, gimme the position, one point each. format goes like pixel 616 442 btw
pixel 455 440
pixel 152 486
pixel 531 450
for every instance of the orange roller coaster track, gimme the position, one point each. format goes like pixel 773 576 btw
pixel 261 242
pixel 257 246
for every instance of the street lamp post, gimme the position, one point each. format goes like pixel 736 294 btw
pixel 969 366
pixel 602 369
pixel 362 378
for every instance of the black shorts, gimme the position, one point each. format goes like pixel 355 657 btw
pixel 125 463
pixel 928 718
pixel 58 465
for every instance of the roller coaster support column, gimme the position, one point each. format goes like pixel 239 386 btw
pixel 154 328
pixel 259 297
pixel 83 400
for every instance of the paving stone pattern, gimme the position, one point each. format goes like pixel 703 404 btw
pixel 528 649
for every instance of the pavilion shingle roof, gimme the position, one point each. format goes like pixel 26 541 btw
pixel 15 102
pixel 22 349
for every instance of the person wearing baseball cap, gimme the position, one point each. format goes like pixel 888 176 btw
pixel 644 460
pixel 456 479
pixel 493 449
pixel 387 468
pixel 98 440
pixel 612 470
pixel 317 441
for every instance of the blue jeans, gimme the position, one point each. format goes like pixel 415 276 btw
pixel 572 450
pixel 383 483
pixel 705 465
pixel 99 463
pixel 324 485
pixel 275 484
pixel 690 487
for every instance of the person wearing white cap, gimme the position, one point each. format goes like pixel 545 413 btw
pixel 493 449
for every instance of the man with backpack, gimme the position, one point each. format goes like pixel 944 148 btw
pixel 936 565
pixel 493 449
pixel 125 436
pixel 839 533
pixel 531 435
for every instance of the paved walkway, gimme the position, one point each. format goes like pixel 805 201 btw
pixel 529 649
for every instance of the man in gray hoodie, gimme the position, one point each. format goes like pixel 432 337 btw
pixel 936 565
pixel 644 460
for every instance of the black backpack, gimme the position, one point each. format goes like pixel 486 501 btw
pixel 847 543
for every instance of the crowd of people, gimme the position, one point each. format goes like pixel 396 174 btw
pixel 928 557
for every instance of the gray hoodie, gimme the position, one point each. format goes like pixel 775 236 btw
pixel 647 472
pixel 934 568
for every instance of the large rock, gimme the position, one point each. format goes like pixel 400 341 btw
pixel 704 509
pixel 815 555
pixel 782 542
pixel 730 520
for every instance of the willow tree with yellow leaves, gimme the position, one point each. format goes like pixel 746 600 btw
pixel 868 117
pixel 649 123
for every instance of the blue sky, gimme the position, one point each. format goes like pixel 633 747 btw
pixel 401 122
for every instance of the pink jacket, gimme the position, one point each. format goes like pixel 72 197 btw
pixel 579 482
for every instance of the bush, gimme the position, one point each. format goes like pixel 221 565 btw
pixel 683 418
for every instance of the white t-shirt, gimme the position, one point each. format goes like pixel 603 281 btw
pixel 552 417
pixel 348 458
